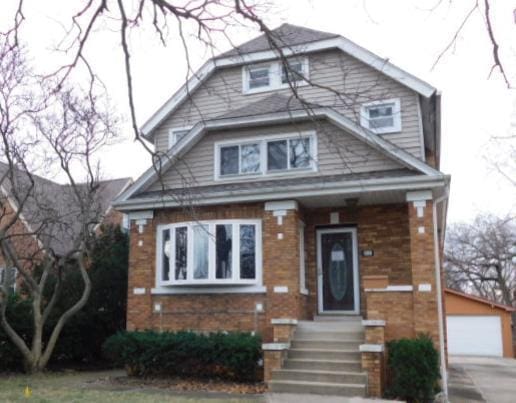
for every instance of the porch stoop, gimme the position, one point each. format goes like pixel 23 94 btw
pixel 323 359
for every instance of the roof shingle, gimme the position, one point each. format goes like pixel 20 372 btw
pixel 285 35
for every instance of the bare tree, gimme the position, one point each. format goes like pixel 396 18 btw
pixel 46 229
pixel 480 258
pixel 484 8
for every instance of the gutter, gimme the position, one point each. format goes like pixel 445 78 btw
pixel 440 311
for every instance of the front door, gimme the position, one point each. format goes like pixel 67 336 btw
pixel 337 270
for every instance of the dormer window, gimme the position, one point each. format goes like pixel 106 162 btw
pixel 274 75
pixel 295 72
pixel 176 134
pixel 259 77
pixel 381 116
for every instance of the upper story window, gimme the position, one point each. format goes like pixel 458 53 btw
pixel 266 155
pixel 176 134
pixel 274 75
pixel 381 116
pixel 210 252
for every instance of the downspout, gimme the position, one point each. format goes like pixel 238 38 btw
pixel 444 372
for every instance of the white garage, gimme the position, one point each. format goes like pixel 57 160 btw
pixel 475 335
pixel 476 326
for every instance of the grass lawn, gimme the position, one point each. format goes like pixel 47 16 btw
pixel 95 387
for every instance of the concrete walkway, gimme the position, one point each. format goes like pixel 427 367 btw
pixel 482 379
pixel 294 398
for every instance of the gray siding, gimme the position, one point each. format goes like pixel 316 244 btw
pixel 196 168
pixel 355 82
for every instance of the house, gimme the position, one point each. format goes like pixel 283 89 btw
pixel 48 218
pixel 477 326
pixel 299 197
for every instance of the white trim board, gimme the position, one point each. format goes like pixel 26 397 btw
pixel 188 141
pixel 345 45
pixel 257 194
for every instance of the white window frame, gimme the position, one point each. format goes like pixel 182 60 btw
pixel 275 75
pixel 172 135
pixel 262 141
pixel 396 114
pixel 211 280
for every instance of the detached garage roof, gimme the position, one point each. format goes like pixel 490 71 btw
pixel 480 299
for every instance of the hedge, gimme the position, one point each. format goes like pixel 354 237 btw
pixel 413 368
pixel 233 356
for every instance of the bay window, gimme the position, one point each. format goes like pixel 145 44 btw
pixel 209 252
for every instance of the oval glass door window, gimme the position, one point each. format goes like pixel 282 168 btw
pixel 338 272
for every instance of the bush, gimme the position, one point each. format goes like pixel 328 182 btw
pixel 80 342
pixel 19 314
pixel 413 368
pixel 105 312
pixel 232 356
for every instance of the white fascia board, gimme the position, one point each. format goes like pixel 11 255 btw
pixel 347 46
pixel 278 193
pixel 179 96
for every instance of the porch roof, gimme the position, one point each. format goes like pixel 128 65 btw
pixel 313 191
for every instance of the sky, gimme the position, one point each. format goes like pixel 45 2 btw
pixel 411 34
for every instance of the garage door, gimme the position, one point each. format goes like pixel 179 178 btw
pixel 474 335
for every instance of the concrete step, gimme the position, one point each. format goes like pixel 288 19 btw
pixel 319 354
pixel 304 334
pixel 323 365
pixel 327 344
pixel 331 326
pixel 337 318
pixel 318 388
pixel 319 376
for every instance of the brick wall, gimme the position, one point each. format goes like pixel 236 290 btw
pixel 384 229
pixel 392 231
pixel 226 311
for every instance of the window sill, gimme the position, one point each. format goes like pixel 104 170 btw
pixel 210 289
pixel 271 88
pixel 209 283
pixel 268 174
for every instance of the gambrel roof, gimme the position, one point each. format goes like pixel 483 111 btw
pixel 297 40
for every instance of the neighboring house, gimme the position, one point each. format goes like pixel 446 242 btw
pixel 48 220
pixel 274 212
pixel 477 326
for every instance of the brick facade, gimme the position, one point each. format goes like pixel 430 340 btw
pixel 403 257
pixel 387 230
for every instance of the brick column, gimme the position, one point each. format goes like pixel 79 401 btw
pixel 141 270
pixel 281 259
pixel 373 358
pixel 273 356
pixel 422 259
pixel 283 329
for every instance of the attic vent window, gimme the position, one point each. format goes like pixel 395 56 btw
pixel 275 75
pixel 176 134
pixel 381 116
